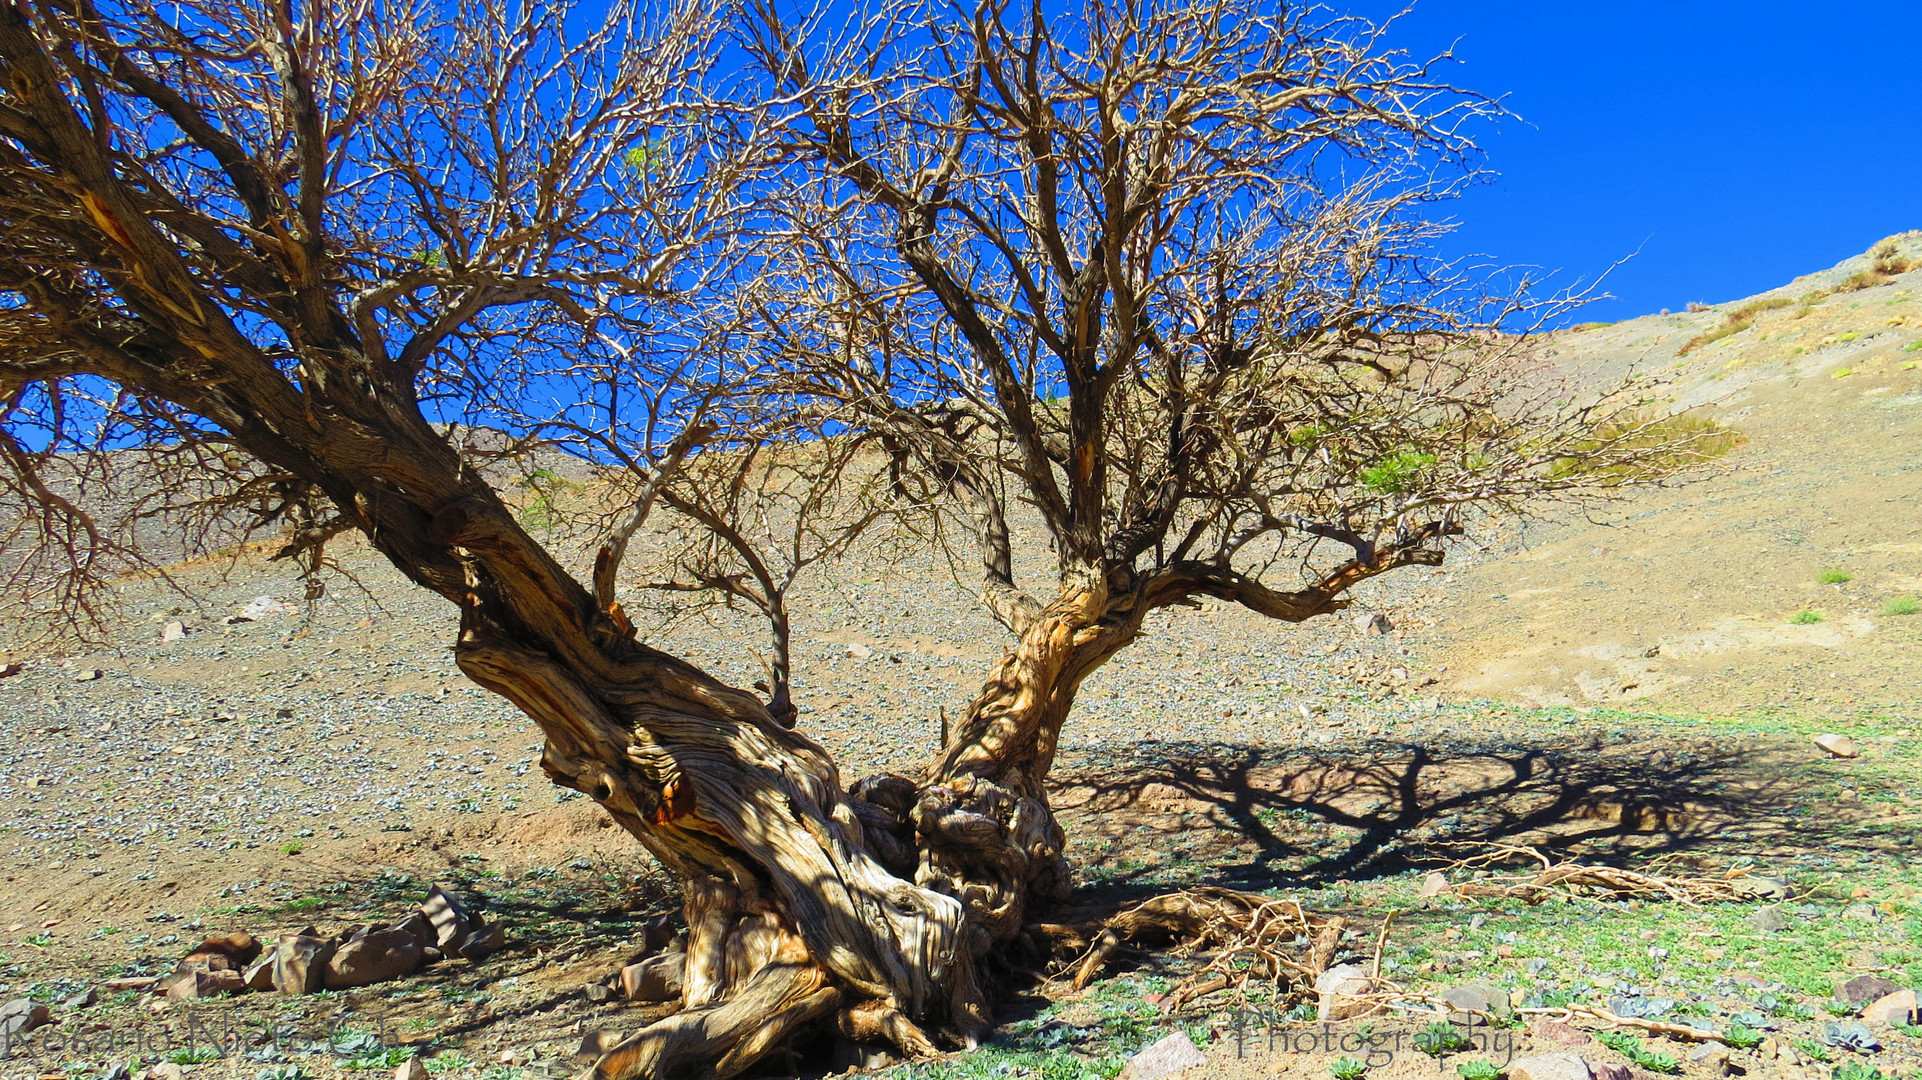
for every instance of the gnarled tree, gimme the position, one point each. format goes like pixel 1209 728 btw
pixel 1157 273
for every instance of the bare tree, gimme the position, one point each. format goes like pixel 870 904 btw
pixel 1158 274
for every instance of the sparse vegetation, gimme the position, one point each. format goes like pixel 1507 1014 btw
pixel 1348 1069
pixel 1805 617
pixel 1668 442
pixel 1477 1070
pixel 292 847
pixel 1834 576
pixel 1633 1049
pixel 1902 605
pixel 1735 322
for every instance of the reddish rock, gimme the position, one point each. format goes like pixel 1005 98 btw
pixel 1558 1033
pixel 205 984
pixel 657 978
pixel 1888 1010
pixel 300 962
pixel 368 958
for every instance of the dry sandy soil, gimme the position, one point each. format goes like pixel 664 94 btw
pixel 1619 689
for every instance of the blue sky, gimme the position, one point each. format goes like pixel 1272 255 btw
pixel 1734 145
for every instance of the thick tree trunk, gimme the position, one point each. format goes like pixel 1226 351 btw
pixel 789 917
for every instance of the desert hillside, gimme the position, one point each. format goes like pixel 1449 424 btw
pixel 1683 598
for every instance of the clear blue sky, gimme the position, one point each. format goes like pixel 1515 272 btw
pixel 1735 145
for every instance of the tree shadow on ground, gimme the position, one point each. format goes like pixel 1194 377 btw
pixel 1317 817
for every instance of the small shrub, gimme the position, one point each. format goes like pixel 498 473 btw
pixel 1805 617
pixel 1631 1048
pixel 1477 1070
pixel 1348 1069
pixel 1743 1037
pixel 448 1061
pixel 292 847
pixel 1696 306
pixel 1834 576
pixel 1902 605
pixel 193 1055
pixel 1888 261
pixel 1812 1049
pixel 1396 473
pixel 1438 1038
pixel 1855 1070
pixel 1847 335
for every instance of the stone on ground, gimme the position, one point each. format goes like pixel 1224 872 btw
pixel 1342 992
pixel 1863 989
pixel 1558 1033
pixel 657 978
pixel 300 962
pixel 1475 1004
pixel 411 1069
pixel 1890 1009
pixel 1555 1065
pixel 1837 745
pixel 1769 920
pixel 1435 884
pixel 22 1015
pixel 369 958
pixel 1162 1059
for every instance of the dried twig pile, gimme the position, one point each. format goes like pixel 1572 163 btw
pixel 1250 937
pixel 1571 880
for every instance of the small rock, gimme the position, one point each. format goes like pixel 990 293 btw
pixel 596 1043
pixel 1558 1033
pixel 1167 1057
pixel 172 632
pixel 1712 1057
pixel 224 952
pixel 166 1070
pixel 858 651
pixel 1435 884
pixel 263 607
pixel 1555 1065
pixel 83 1000
pixel 598 993
pixel 260 974
pixel 87 674
pixel 189 985
pixel 657 978
pixel 368 958
pixel 1899 1007
pixel 411 1069
pixel 448 917
pixel 1861 913
pixel 1340 990
pixel 1474 1004
pixel 516 1056
pixel 1373 622
pixel 1602 1070
pixel 1863 989
pixel 1837 745
pixel 1769 920
pixel 300 962
pixel 484 942
pixel 22 1015
pixel 419 928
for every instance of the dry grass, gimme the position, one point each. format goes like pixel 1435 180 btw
pixel 1680 440
pixel 1735 322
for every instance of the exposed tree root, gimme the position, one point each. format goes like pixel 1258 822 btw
pixel 1252 937
pixel 1570 880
